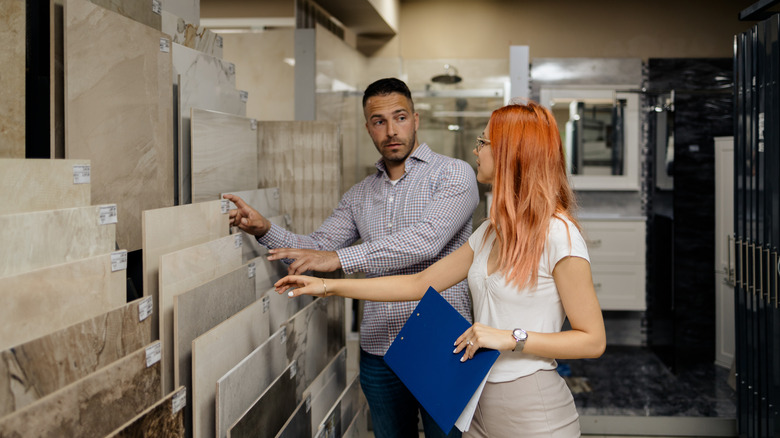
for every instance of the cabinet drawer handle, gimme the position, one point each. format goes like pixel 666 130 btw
pixel 592 243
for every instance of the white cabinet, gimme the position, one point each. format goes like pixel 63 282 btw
pixel 617 261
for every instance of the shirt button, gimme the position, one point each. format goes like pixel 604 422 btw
pixel 390 199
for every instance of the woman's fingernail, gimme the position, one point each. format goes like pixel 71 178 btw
pixel 290 294
pixel 463 359
pixel 455 350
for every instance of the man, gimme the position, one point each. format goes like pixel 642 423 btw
pixel 413 211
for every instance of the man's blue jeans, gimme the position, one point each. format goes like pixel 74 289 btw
pixel 393 407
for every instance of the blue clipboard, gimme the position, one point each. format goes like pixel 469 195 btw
pixel 421 355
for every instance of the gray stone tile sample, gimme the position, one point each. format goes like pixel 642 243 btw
pixel 270 412
pixel 13 31
pixel 94 405
pixel 119 111
pixel 245 382
pixel 45 238
pixel 358 428
pixel 343 411
pixel 224 153
pixel 197 311
pixel 166 230
pixel 192 36
pixel 39 367
pixel 283 307
pixel 302 159
pixel 327 387
pixel 140 11
pixel 307 341
pixel 216 352
pixel 337 337
pixel 164 419
pixel 183 270
pixel 299 423
pixel 42 184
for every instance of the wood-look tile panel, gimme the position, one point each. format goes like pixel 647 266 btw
pixel 12 70
pixel 40 184
pixel 216 352
pixel 37 368
pixel 45 238
pixel 224 153
pixel 119 111
pixel 158 421
pixel 94 405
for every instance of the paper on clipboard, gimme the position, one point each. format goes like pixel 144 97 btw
pixel 421 355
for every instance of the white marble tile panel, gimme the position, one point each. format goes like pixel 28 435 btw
pixel 224 153
pixel 119 111
pixel 12 70
pixel 140 11
pixel 49 237
pixel 189 10
pixel 42 184
pixel 190 35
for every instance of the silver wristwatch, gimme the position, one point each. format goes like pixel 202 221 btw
pixel 520 336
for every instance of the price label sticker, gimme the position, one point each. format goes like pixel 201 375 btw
pixel 118 261
pixel 252 269
pixel 179 400
pixel 107 214
pixel 157 7
pixel 276 194
pixel 165 45
pixel 266 303
pixel 225 206
pixel 219 41
pixel 244 95
pixel 237 240
pixel 81 174
pixel 153 354
pixel 145 308
pixel 283 336
pixel 293 368
pixel 308 403
pixel 231 69
pixel 253 124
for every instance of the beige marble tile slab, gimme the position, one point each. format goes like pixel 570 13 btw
pixel 197 311
pixel 170 229
pixel 119 111
pixel 183 270
pixel 37 368
pixel 94 405
pixel 302 159
pixel 45 238
pixel 272 409
pixel 248 379
pixel 190 35
pixel 216 352
pixel 140 11
pixel 224 153
pixel 164 419
pixel 189 10
pixel 40 184
pixel 12 72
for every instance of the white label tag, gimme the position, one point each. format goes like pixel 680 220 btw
pixel 253 124
pixel 760 126
pixel 283 336
pixel 219 41
pixel 225 206
pixel 308 403
pixel 237 240
pixel 153 354
pixel 145 308
pixel 157 7
pixel 165 45
pixel 81 174
pixel 244 95
pixel 252 270
pixel 107 214
pixel 179 401
pixel 118 261
pixel 266 303
pixel 276 194
pixel 293 368
pixel 231 69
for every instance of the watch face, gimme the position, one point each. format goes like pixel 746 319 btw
pixel 520 334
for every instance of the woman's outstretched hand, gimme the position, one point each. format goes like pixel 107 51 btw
pixel 296 285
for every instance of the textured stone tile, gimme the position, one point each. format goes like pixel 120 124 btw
pixel 190 35
pixel 183 270
pixel 307 341
pixel 45 238
pixel 37 368
pixel 269 413
pixel 170 229
pixel 140 11
pixel 164 419
pixel 41 184
pixel 299 423
pixel 224 153
pixel 302 159
pixel 197 311
pixel 216 352
pixel 94 405
pixel 343 411
pixel 119 111
pixel 325 390
pixel 359 426
pixel 12 70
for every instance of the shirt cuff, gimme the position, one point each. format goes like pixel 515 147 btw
pixel 352 258
pixel 274 238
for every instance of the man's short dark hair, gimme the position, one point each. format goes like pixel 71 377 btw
pixel 386 86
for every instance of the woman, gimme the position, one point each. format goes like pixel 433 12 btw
pixel 528 270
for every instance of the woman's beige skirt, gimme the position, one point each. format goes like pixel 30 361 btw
pixel 539 405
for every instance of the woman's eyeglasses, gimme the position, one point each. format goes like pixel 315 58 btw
pixel 482 142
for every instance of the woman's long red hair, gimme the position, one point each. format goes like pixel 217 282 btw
pixel 530 186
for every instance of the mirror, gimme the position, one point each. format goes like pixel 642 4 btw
pixel 600 133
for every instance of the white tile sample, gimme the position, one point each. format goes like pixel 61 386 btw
pixel 224 153
pixel 197 311
pixel 45 238
pixel 119 111
pixel 183 270
pixel 140 11
pixel 190 35
pixel 216 352
pixel 12 70
pixel 302 159
pixel 245 382
pixel 42 184
pixel 36 368
pixel 166 230
pixel 189 10
pixel 94 405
